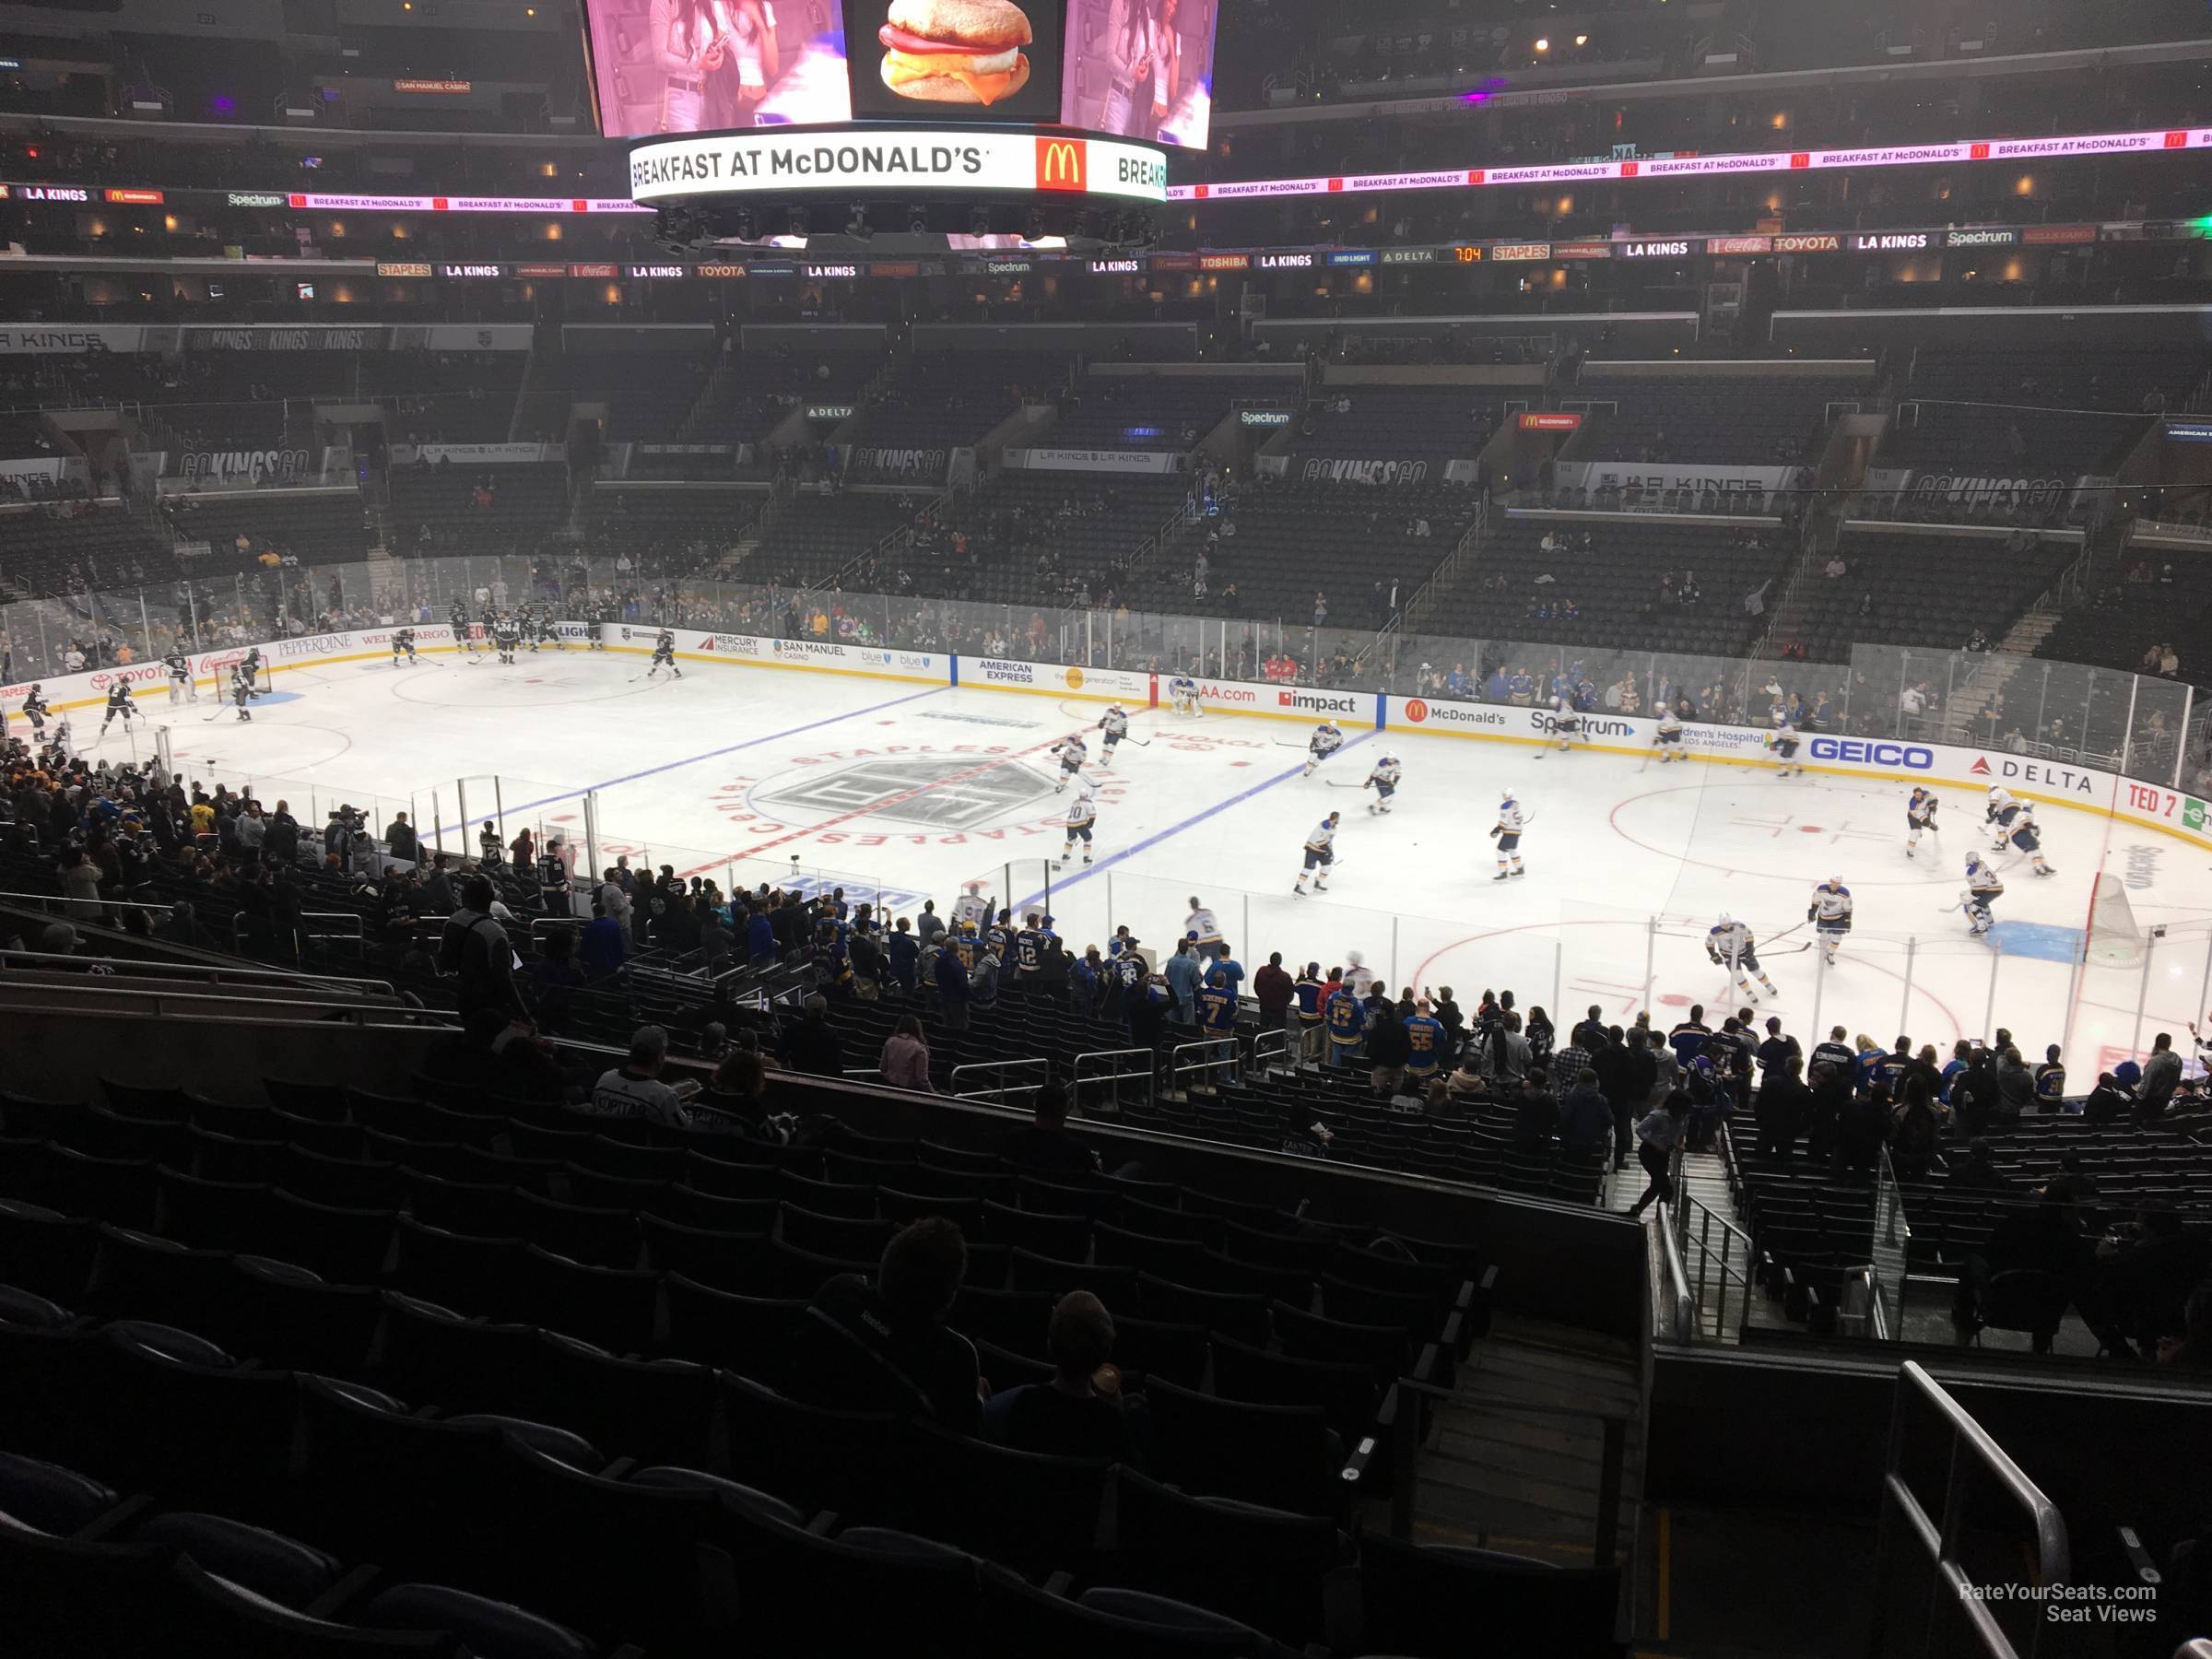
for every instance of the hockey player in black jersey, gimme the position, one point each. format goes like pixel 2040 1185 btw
pixel 182 687
pixel 506 634
pixel 119 704
pixel 241 688
pixel 35 711
pixel 252 665
pixel 404 642
pixel 663 655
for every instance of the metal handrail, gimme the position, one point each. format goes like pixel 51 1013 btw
pixel 1148 1070
pixel 1970 1446
pixel 1177 1067
pixel 49 901
pixel 1677 1281
pixel 352 1013
pixel 243 976
pixel 999 1067
pixel 1706 1252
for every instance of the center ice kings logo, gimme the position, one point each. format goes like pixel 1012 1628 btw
pixel 937 791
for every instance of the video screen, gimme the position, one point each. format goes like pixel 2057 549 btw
pixel 709 65
pixel 1140 68
pixel 988 60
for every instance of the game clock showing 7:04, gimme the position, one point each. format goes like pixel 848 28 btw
pixel 1466 253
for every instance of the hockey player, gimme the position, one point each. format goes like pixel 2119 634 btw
pixel 1072 753
pixel 1202 929
pixel 1565 721
pixel 602 618
pixel 1669 736
pixel 35 711
pixel 506 634
pixel 182 687
pixel 1506 832
pixel 1183 694
pixel 663 654
pixel 1920 814
pixel 242 689
pixel 464 635
pixel 1783 740
pixel 1730 943
pixel 1383 780
pixel 1321 853
pixel 252 665
pixel 1983 891
pixel 2028 841
pixel 2003 810
pixel 119 705
pixel 1327 740
pixel 525 620
pixel 1114 722
pixel 1830 913
pixel 1082 813
pixel 548 634
pixel 403 640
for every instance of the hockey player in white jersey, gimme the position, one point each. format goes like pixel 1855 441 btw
pixel 1327 740
pixel 1082 813
pixel 1383 780
pixel 1983 888
pixel 1114 722
pixel 2028 841
pixel 1565 721
pixel 1202 929
pixel 1730 943
pixel 1830 913
pixel 971 908
pixel 2003 810
pixel 1183 694
pixel 1783 741
pixel 1072 752
pixel 1668 738
pixel 1506 832
pixel 1920 814
pixel 182 687
pixel 1321 853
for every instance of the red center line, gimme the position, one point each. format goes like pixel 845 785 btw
pixel 844 817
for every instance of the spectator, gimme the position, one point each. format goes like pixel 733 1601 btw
pixel 475 950
pixel 1656 1137
pixel 614 905
pixel 634 1090
pixel 1536 1111
pixel 1781 1107
pixel 1273 989
pixel 2161 1076
pixel 2140 1280
pixel 906 1056
pixel 1389 1046
pixel 812 1045
pixel 399 839
pixel 1078 1413
pixel 1184 972
pixel 1586 1116
pixel 2108 1103
pixel 885 1346
pixel 1045 1146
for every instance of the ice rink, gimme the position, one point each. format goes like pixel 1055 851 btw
pixel 902 791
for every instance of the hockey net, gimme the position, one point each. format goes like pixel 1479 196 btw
pixel 2114 940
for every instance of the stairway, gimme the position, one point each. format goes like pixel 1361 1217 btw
pixel 1704 1189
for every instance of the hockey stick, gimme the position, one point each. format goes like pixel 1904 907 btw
pixel 1289 743
pixel 1336 783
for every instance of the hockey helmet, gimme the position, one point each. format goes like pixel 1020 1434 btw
pixel 1388 760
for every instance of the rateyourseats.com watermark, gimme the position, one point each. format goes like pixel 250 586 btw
pixel 2078 1603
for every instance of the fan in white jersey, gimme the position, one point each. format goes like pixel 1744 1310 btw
pixel 1506 832
pixel 1082 813
pixel 1783 741
pixel 2028 840
pixel 1327 740
pixel 1669 736
pixel 1383 780
pixel 1920 814
pixel 1321 853
pixel 1565 721
pixel 1183 694
pixel 1730 943
pixel 1071 751
pixel 1830 913
pixel 1114 722
pixel 1202 929
pixel 2003 810
pixel 1983 888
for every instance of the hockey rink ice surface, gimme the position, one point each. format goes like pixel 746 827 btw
pixel 907 792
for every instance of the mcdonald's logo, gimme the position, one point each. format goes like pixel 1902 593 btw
pixel 1061 163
